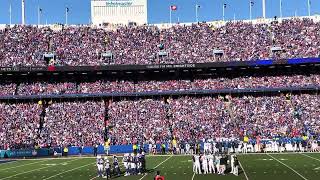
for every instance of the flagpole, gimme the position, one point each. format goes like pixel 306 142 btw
pixel 280 8
pixel 264 9
pixel 10 14
pixel 23 15
pixel 250 4
pixel 170 15
pixel 197 19
pixel 223 7
pixel 66 15
pixel 38 15
pixel 309 7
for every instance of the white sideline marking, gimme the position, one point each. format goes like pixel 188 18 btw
pixel 157 166
pixel 244 172
pixel 92 157
pixel 69 171
pixel 21 165
pixel 23 173
pixel 288 167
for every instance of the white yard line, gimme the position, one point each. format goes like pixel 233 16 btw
pixel 68 171
pixel 7 162
pixel 94 178
pixel 310 157
pixel 157 166
pixel 288 167
pixel 31 170
pixel 244 172
pixel 23 173
pixel 22 165
pixel 193 176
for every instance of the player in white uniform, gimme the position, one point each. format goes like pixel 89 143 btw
pixel 125 162
pixel 245 148
pixel 211 163
pixel 187 148
pixel 314 146
pixel 197 164
pixel 205 164
pixel 217 163
pixel 150 148
pixel 236 166
pixel 99 164
pixel 232 164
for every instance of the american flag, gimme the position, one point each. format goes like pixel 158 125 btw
pixel 173 7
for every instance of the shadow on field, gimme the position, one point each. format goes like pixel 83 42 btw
pixel 122 173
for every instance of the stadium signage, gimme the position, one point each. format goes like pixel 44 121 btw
pixel 152 67
pixel 121 3
pixel 18 68
pixel 170 66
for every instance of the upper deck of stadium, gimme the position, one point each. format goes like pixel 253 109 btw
pixel 218 41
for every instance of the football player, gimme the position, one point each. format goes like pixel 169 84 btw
pixel 126 163
pixel 204 164
pixel 116 169
pixel 133 165
pixel 211 164
pixel 99 165
pixel 197 164
pixel 107 171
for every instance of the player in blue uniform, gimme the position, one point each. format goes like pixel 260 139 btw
pixel 107 167
pixel 116 169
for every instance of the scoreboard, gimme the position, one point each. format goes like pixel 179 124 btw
pixel 119 11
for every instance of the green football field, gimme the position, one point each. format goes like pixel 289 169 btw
pixel 300 166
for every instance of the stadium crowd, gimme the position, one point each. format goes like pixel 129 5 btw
pixel 125 86
pixel 187 119
pixel 73 123
pixel 45 88
pixel 19 125
pixel 83 45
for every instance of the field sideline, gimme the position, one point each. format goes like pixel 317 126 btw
pixel 299 166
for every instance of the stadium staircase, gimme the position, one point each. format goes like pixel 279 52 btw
pixel 169 116
pixel 107 125
pixel 42 116
pixel 228 105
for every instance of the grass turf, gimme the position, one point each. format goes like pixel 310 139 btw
pixel 305 166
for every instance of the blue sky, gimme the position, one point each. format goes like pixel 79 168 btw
pixel 53 10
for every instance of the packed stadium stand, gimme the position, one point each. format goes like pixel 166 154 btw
pixel 189 105
pixel 80 46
